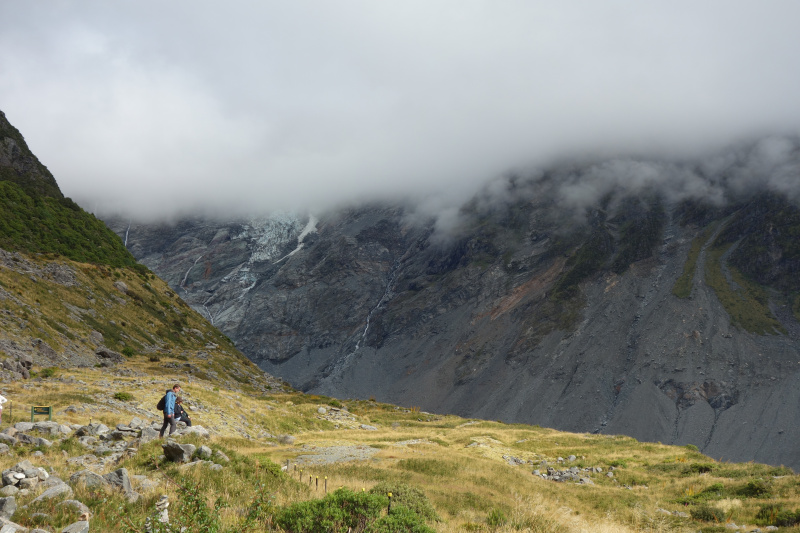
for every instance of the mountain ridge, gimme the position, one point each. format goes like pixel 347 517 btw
pixel 544 304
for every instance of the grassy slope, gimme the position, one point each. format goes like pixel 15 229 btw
pixel 457 463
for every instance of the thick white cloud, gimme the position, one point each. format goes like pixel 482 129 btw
pixel 159 107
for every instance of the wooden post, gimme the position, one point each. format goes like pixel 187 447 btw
pixel 389 510
pixel 326 484
pixel 316 482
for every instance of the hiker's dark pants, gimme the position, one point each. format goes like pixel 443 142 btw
pixel 171 422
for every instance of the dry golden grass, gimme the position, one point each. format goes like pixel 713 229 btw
pixel 459 464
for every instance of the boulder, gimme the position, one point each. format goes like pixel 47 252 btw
pixel 75 505
pixel 221 456
pixel 179 453
pixel 148 434
pixel 88 479
pixel 9 478
pixel 53 492
pixel 121 286
pixel 28 483
pixel 195 430
pixel 119 478
pixel 51 428
pixel 8 506
pixel 7 526
pixel 77 527
pixel 204 452
pixel 109 357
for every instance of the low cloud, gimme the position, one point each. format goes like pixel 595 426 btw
pixel 306 105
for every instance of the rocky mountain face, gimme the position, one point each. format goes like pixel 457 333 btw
pixel 653 299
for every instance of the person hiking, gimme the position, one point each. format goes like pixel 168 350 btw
pixel 169 410
pixel 180 414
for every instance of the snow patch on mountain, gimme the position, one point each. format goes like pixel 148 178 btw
pixel 311 227
pixel 269 236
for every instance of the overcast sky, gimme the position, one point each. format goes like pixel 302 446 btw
pixel 159 107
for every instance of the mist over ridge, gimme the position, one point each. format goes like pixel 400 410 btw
pixel 307 106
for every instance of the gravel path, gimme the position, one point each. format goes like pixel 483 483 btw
pixel 318 455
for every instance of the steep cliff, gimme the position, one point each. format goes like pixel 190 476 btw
pixel 653 299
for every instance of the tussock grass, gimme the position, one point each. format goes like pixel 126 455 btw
pixel 459 465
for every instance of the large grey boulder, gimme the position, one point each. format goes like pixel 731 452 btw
pixel 92 429
pixel 7 526
pixel 148 434
pixel 8 506
pixel 179 453
pixel 87 478
pixel 108 357
pixel 75 505
pixel 53 492
pixel 77 527
pixel 194 430
pixel 119 478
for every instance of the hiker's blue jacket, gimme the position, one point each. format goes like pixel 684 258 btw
pixel 169 404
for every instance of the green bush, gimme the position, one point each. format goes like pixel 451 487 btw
pixel 338 512
pixel 123 396
pixel 399 520
pixel 409 497
pixel 774 514
pixel 707 513
pixel 757 488
pixel 699 468
pixel 48 372
pixel 128 351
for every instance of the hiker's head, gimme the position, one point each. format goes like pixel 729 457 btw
pixel 178 400
pixel 176 388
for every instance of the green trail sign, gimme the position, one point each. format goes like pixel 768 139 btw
pixel 41 410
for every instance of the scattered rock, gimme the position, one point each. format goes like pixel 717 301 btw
pixel 8 506
pixel 179 453
pixel 88 479
pixel 53 492
pixel 75 505
pixel 77 527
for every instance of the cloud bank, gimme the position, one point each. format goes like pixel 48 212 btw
pixel 152 109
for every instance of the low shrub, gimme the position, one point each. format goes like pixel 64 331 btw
pixel 123 396
pixel 407 496
pixel 48 372
pixel 340 511
pixel 399 520
pixel 707 513
pixel 774 514
pixel 757 488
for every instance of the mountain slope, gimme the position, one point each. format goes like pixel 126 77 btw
pixel 71 295
pixel 571 299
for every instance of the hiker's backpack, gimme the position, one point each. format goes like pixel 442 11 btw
pixel 162 403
